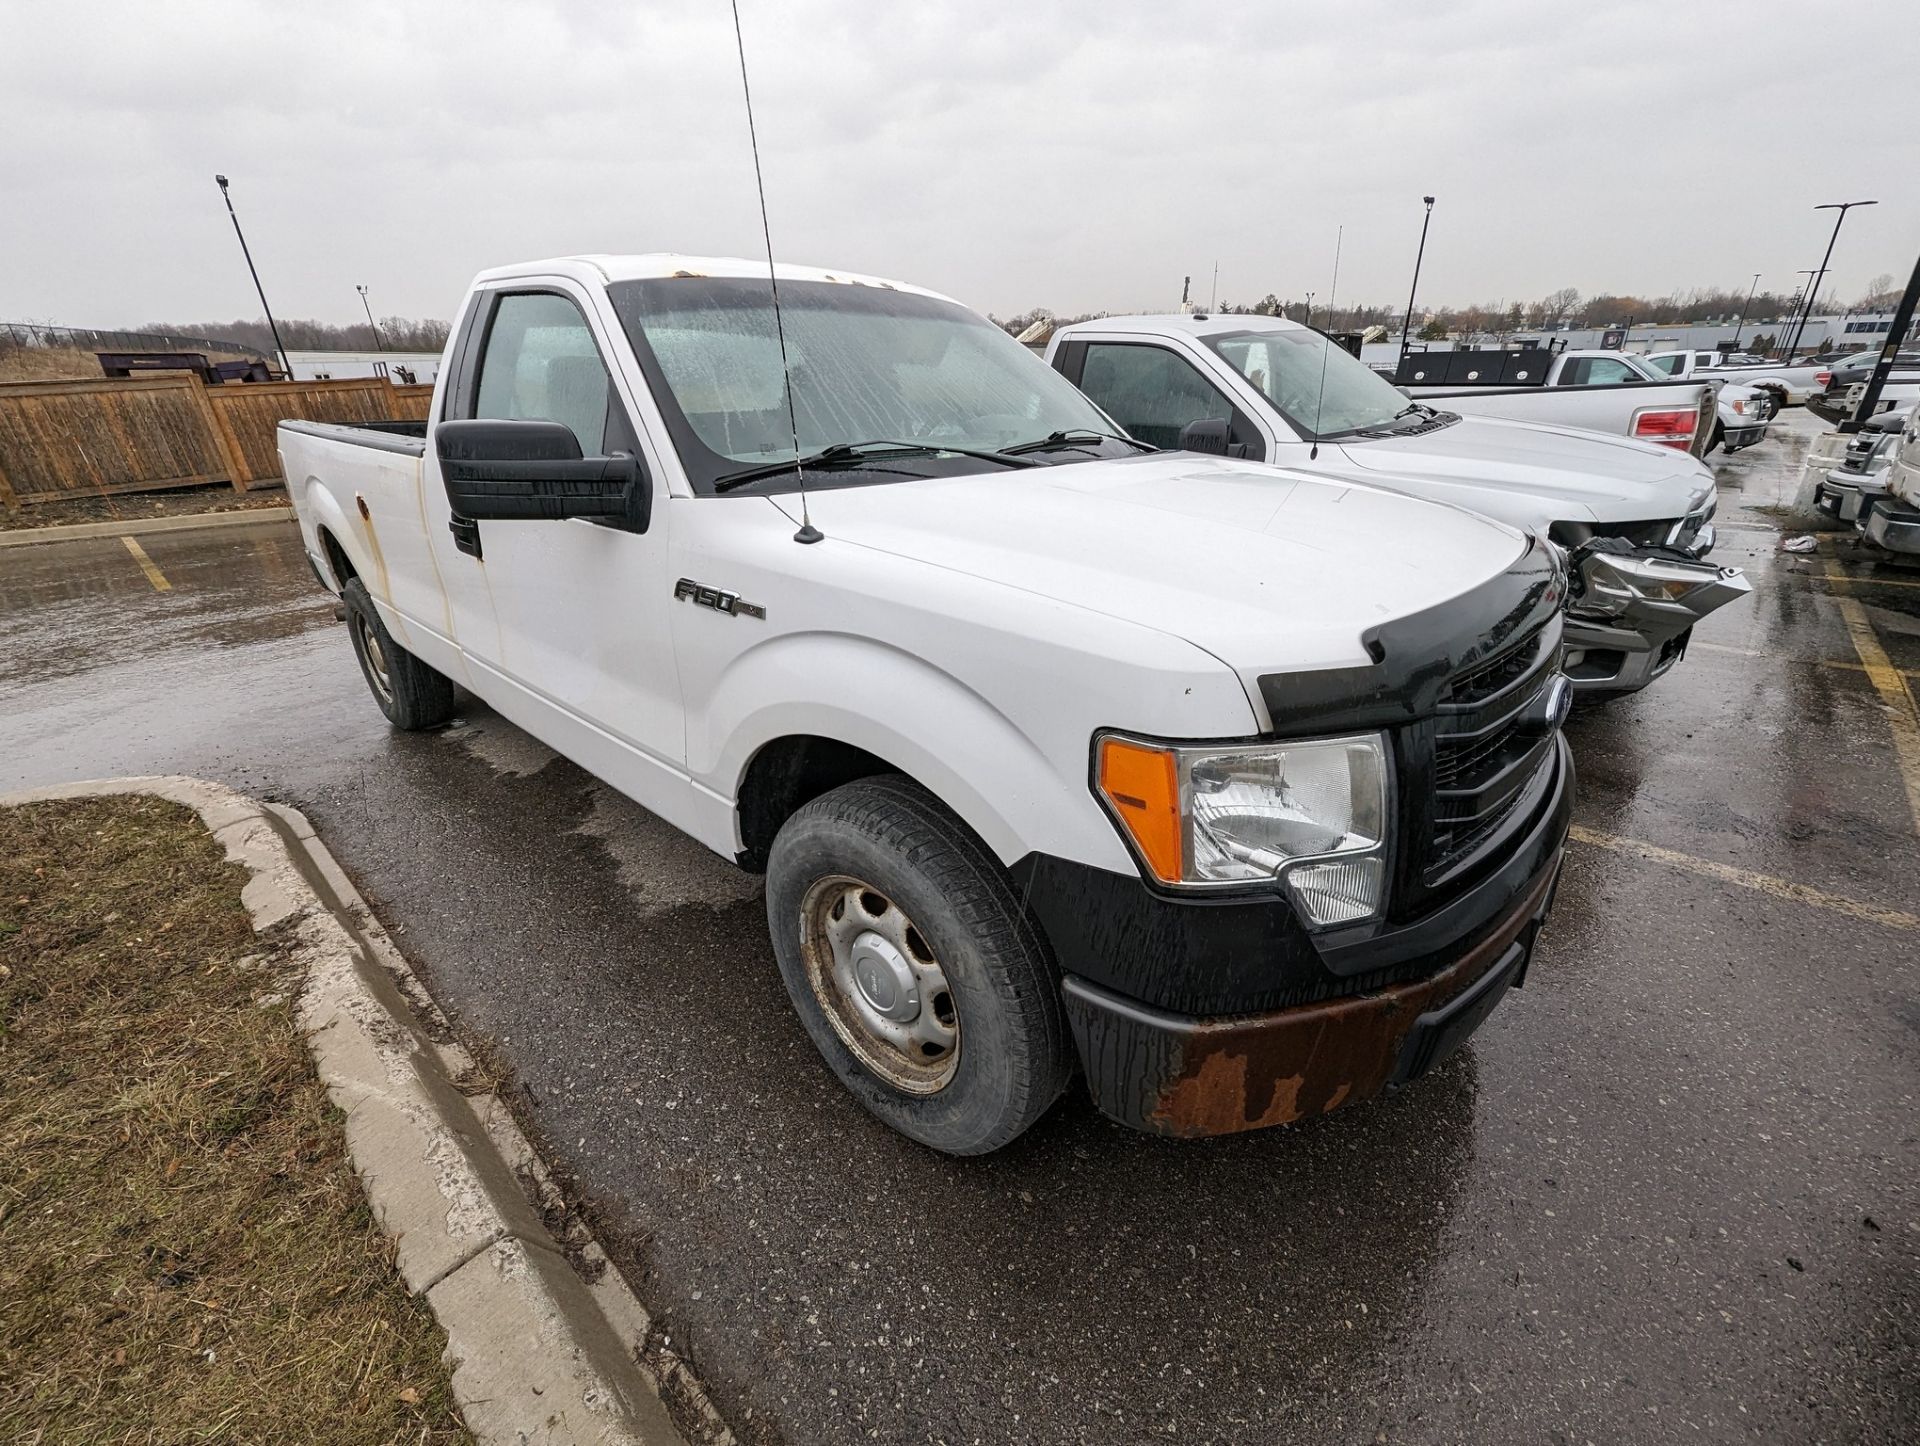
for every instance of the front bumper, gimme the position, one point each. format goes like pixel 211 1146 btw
pixel 1894 526
pixel 1189 1075
pixel 1619 638
pixel 1847 496
pixel 1736 439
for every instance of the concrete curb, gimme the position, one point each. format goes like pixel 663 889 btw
pixel 542 1350
pixel 133 527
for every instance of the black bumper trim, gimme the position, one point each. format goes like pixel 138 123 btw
pixel 1209 955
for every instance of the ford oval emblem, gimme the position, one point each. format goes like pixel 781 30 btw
pixel 1549 707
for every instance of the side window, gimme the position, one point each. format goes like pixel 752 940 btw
pixel 1150 391
pixel 540 364
pixel 1597 371
pixel 1670 365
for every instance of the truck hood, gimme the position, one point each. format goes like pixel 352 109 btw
pixel 1531 474
pixel 1264 567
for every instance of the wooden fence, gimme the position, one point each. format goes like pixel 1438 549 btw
pixel 85 438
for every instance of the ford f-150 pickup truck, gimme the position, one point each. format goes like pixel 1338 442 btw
pixel 1240 789
pixel 1635 517
pixel 1788 385
pixel 1597 391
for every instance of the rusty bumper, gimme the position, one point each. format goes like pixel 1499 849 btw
pixel 1174 1074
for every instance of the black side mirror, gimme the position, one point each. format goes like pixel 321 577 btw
pixel 1211 434
pixel 528 470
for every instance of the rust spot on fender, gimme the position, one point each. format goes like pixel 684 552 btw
pixel 1250 1072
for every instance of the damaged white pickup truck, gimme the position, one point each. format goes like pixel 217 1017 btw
pixel 1636 517
pixel 1241 790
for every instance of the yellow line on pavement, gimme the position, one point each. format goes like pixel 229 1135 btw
pixel 1847 663
pixel 1888 683
pixel 154 575
pixel 1746 879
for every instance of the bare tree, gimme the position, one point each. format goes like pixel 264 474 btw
pixel 1557 306
pixel 1882 294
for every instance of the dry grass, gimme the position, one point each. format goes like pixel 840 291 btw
pixel 133 506
pixel 185 1254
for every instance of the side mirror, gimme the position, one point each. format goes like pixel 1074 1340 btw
pixel 498 470
pixel 1213 435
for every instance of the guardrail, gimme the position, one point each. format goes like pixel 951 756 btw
pixel 90 438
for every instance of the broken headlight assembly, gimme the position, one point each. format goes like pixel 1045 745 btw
pixel 1308 814
pixel 1612 578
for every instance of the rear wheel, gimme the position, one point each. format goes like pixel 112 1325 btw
pixel 412 695
pixel 913 967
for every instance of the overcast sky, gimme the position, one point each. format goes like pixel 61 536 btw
pixel 1012 153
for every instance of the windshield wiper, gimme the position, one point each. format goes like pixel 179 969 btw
pixel 1077 437
pixel 846 454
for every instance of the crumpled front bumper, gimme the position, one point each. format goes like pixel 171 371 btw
pixel 1635 614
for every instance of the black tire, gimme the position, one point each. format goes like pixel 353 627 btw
pixel 412 695
pixel 1011 1054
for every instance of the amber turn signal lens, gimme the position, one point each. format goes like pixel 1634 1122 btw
pixel 1142 785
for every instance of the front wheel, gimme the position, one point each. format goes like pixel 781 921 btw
pixel 913 967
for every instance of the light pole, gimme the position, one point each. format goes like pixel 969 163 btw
pixel 1419 256
pixel 285 365
pixel 1793 313
pixel 1309 320
pixel 1736 326
pixel 379 345
pixel 1813 293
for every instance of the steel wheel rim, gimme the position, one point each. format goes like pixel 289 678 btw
pixel 375 656
pixel 880 986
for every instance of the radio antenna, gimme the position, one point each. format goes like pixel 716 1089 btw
pixel 808 532
pixel 1333 295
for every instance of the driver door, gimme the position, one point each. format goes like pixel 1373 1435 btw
pixel 568 619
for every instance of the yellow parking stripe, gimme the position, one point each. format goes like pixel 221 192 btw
pixel 154 575
pixel 1849 664
pixel 1746 879
pixel 1888 683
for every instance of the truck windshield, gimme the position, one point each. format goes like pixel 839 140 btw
pixel 1668 365
pixel 866 362
pixel 1287 367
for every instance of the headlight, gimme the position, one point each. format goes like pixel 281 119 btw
pixel 1311 814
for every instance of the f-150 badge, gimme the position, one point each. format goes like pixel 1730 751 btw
pixel 717 599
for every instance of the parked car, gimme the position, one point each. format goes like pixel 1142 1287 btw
pixel 1237 789
pixel 1788 385
pixel 1897 394
pixel 1741 412
pixel 1599 391
pixel 1861 476
pixel 1876 486
pixel 1828 400
pixel 1892 521
pixel 1636 518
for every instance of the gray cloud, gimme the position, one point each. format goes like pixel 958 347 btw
pixel 1080 155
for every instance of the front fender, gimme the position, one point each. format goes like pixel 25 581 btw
pixel 928 723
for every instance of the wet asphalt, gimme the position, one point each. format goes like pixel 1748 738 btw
pixel 1669 1193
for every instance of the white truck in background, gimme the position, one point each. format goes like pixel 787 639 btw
pixel 1596 391
pixel 1240 791
pixel 1789 385
pixel 1636 518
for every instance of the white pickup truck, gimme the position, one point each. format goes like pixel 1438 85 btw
pixel 1239 789
pixel 1596 391
pixel 1787 385
pixel 1635 517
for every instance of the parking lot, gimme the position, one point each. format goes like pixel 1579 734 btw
pixel 1669 1193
